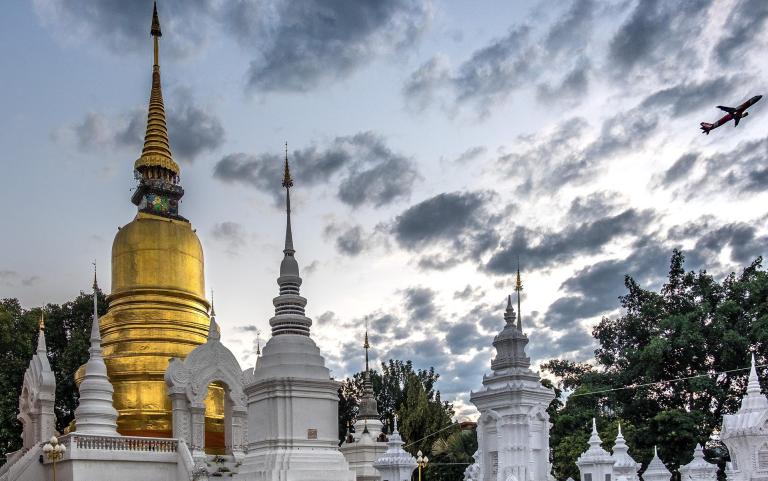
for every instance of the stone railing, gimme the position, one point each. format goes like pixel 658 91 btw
pixel 120 443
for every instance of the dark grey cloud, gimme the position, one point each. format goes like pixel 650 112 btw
pixel 300 45
pixel 469 293
pixel 11 278
pixel 680 170
pixel 595 289
pixel 371 173
pixel 593 206
pixel 419 302
pixel 123 26
pixel 547 344
pixel 743 170
pixel 192 129
pixel 658 39
pixel 351 241
pixel 462 337
pixel 459 221
pixel 541 249
pixel 293 46
pixel 507 64
pixel 573 87
pixel 741 238
pixel 742 31
pixel 688 97
pixel 232 234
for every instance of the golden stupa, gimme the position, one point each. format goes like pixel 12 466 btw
pixel 157 307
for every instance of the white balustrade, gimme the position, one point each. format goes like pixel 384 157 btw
pixel 119 443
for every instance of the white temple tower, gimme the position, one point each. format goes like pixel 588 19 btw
pixel 38 394
pixel 595 464
pixel 367 443
pixel 656 470
pixel 292 401
pixel 744 434
pixel 95 413
pixel 625 468
pixel 699 469
pixel 513 428
pixel 396 464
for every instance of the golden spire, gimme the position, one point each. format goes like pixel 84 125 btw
pixel 41 322
pixel 157 148
pixel 366 346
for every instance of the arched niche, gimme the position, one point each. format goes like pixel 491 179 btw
pixel 187 384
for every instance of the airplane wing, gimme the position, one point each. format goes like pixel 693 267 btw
pixel 730 110
pixel 736 120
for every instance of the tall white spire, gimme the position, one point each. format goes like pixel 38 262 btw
pixel 41 347
pixel 656 470
pixel 213 327
pixel 95 413
pixel 623 464
pixel 289 305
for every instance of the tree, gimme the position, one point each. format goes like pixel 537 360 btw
pixel 67 333
pixel 452 455
pixel 695 329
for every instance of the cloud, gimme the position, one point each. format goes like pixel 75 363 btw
pixel 457 221
pixel 572 87
pixel 293 46
pixel 300 45
pixel 593 206
pixel 470 154
pixel 371 173
pixel 660 34
pixel 349 240
pixel 11 278
pixel 544 248
pixel 419 302
pixel 191 128
pixel 469 293
pixel 688 97
pixel 742 32
pixel 742 170
pixel 507 64
pixel 230 233
pixel 123 26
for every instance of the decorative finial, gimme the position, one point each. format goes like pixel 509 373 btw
pixel 41 323
pixel 155 31
pixel 519 289
pixel 213 311
pixel 95 284
pixel 366 346
pixel 287 179
pixel 258 343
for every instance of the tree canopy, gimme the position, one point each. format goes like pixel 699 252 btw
pixel 67 332
pixel 695 330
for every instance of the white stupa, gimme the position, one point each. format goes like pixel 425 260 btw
pixel 38 395
pixel 396 464
pixel 292 401
pixel 595 464
pixel 367 443
pixel 699 469
pixel 625 468
pixel 656 470
pixel 95 413
pixel 513 427
pixel 744 434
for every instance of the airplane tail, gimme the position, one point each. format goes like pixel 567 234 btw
pixel 705 127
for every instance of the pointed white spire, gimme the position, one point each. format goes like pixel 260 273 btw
pixel 595 454
pixel 213 327
pixel 95 413
pixel 623 464
pixel 289 305
pixel 41 347
pixel 656 470
pixel 699 469
pixel 754 400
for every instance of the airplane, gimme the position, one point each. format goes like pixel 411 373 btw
pixel 734 114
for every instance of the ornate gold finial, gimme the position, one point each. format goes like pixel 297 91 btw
pixel 213 311
pixel 41 323
pixel 157 149
pixel 518 281
pixel 155 31
pixel 287 179
pixel 95 284
pixel 519 289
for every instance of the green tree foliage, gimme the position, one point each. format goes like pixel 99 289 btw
pixel 694 325
pixel 400 390
pixel 67 333
pixel 452 454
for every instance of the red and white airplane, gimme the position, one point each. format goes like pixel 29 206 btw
pixel 734 113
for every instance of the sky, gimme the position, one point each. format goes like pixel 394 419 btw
pixel 432 145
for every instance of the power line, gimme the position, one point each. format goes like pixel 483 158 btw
pixel 432 434
pixel 635 386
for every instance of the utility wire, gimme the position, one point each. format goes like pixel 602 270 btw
pixel 635 386
pixel 432 434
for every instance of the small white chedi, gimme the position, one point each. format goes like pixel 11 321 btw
pixel 745 435
pixel 595 464
pixel 396 464
pixel 513 427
